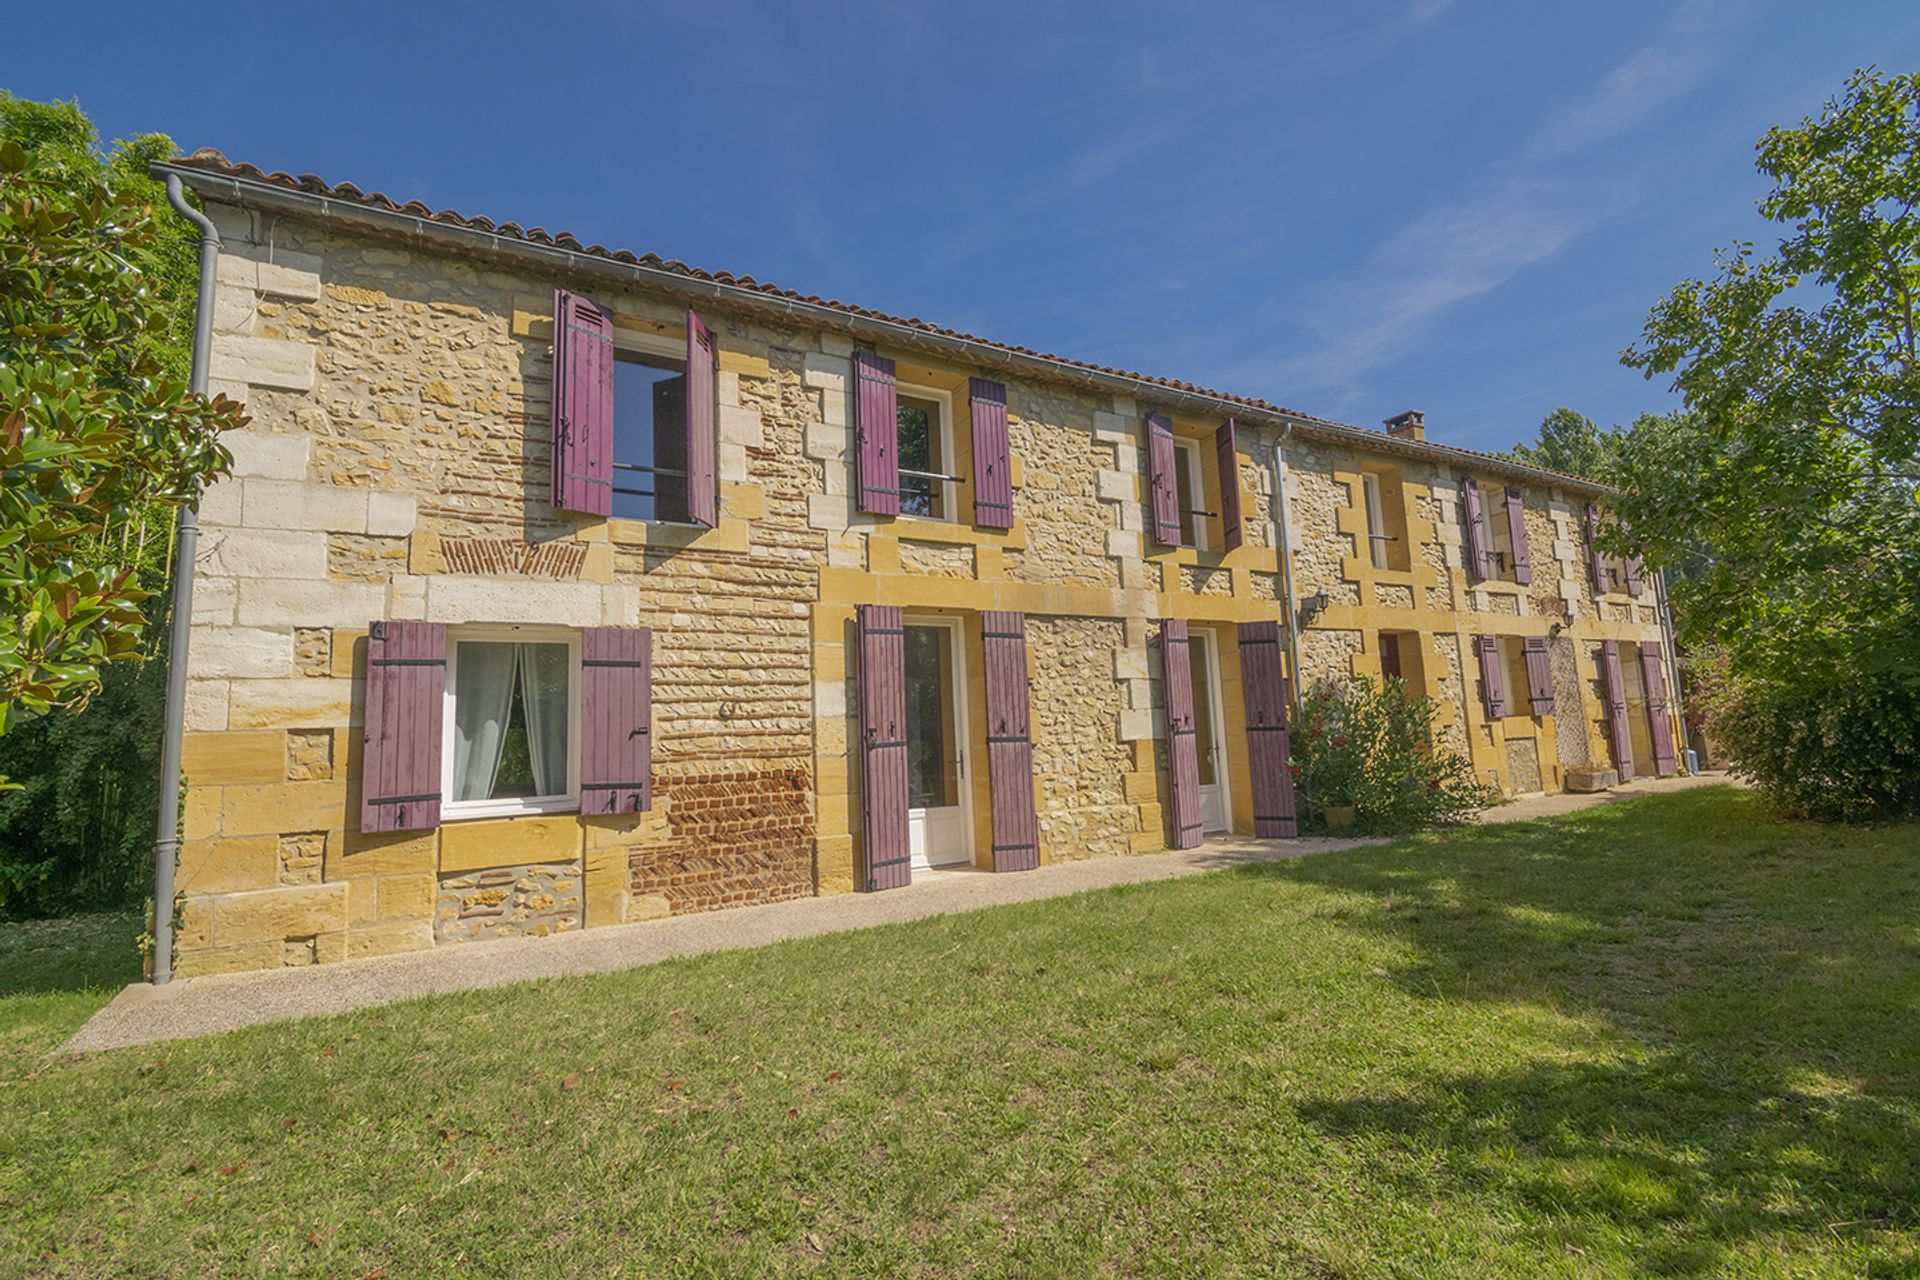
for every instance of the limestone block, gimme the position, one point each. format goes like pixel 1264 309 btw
pixel 1112 428
pixel 1130 664
pixel 406 599
pixel 733 462
pixel 826 442
pixel 1136 724
pixel 830 698
pixel 833 408
pixel 407 897
pixel 271 808
pixel 293 602
pixel 836 345
pixel 219 505
pixel 263 362
pixel 229 865
pixel 1123 542
pixel 620 605
pixel 206 706
pixel 210 759
pixel 273 914
pixel 291 702
pixel 205 961
pixel 509 842
pixel 648 906
pixel 233 310
pixel 727 387
pixel 463 599
pixel 247 652
pixel 391 515
pixel 264 553
pixel 293 504
pixel 284 275
pixel 742 427
pixel 273 457
pixel 825 371
pixel 389 938
pixel 1115 486
pixel 214 599
pixel 1583 779
pixel 831 512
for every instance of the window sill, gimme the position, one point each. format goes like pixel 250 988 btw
pixel 952 532
pixel 463 810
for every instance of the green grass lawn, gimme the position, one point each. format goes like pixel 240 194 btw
pixel 1664 1036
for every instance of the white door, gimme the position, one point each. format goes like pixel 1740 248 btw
pixel 1209 731
pixel 938 824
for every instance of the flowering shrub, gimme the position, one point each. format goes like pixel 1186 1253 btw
pixel 1369 745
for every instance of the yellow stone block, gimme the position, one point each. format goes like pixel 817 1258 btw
pixel 357 854
pixel 205 961
pixel 273 914
pixel 1141 788
pixel 648 906
pixel 407 897
pixel 224 866
pixel 196 924
pixel 202 819
pixel 252 756
pixel 598 564
pixel 389 938
pixel 1147 842
pixel 507 842
pixel 424 555
pixel 746 364
pixel 743 501
pixel 363 901
pixel 347 656
pixel 616 831
pixel 329 948
pixel 285 806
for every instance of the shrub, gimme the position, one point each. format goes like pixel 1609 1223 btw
pixel 1370 745
pixel 1818 740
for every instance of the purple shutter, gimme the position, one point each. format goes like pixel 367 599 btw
pixel 1615 689
pixel 405 716
pixel 1183 758
pixel 582 405
pixel 1479 560
pixel 1539 676
pixel 1268 745
pixel 1631 568
pixel 616 716
pixel 1596 563
pixel 992 455
pixel 875 398
pixel 1016 830
pixel 703 427
pixel 1493 684
pixel 1226 447
pixel 883 746
pixel 1655 678
pixel 1517 536
pixel 1163 484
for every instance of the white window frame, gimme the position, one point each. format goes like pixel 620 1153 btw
pixel 1376 520
pixel 452 810
pixel 944 429
pixel 1196 490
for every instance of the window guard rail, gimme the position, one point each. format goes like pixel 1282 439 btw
pixel 932 475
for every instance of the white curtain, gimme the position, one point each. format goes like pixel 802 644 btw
pixel 543 694
pixel 482 696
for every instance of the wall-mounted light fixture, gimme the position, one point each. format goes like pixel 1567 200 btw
pixel 1566 620
pixel 1312 607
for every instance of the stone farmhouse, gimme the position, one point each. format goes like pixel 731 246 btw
pixel 557 587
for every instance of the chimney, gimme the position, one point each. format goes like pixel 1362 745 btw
pixel 1411 425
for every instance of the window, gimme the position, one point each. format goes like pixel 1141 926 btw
pixel 1378 539
pixel 925 415
pixel 1513 658
pixel 649 436
pixel 1189 490
pixel 511 725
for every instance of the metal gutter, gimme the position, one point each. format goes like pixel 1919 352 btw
pixel 428 232
pixel 166 844
pixel 1280 507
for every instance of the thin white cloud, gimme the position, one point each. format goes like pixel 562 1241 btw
pixel 1445 258
pixel 1631 93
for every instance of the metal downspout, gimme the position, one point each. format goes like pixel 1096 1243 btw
pixel 166 845
pixel 1673 660
pixel 1286 561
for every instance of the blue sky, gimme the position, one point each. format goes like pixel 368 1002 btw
pixel 1464 206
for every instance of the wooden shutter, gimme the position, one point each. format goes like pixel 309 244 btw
pixel 1630 567
pixel 1226 448
pixel 1493 676
pixel 1183 759
pixel 703 426
pixel 1596 563
pixel 1390 667
pixel 992 455
pixel 1517 535
pixel 1539 676
pixel 1618 735
pixel 1016 830
pixel 1268 742
pixel 582 405
pixel 883 746
pixel 1163 484
pixel 1479 559
pixel 875 400
pixel 1654 676
pixel 405 718
pixel 616 717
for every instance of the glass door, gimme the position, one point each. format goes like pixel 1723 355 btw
pixel 938 825
pixel 1209 728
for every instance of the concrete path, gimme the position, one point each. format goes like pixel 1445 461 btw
pixel 144 1014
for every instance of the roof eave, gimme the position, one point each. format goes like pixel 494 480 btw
pixel 401 224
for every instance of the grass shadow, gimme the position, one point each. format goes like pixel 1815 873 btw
pixel 77 953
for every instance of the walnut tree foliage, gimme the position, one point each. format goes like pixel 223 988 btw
pixel 1789 480
pixel 1572 443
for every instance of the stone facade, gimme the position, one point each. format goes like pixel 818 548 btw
pixel 397 467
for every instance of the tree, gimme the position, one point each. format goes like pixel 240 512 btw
pixel 1572 443
pixel 97 429
pixel 1789 480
